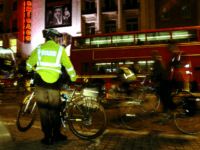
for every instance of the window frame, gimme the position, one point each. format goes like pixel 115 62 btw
pixel 110 25
pixel 189 11
pixel 13 5
pixel 131 23
pixel 92 25
pixel 167 11
pixel 2 7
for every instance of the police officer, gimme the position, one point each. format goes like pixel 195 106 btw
pixel 49 58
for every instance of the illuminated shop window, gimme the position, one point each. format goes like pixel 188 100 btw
pixel 1 43
pixel 13 45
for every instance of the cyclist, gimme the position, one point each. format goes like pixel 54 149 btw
pixel 49 58
pixel 176 75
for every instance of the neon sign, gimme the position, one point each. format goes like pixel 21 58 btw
pixel 27 21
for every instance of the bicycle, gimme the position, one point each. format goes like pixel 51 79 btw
pixel 186 116
pixel 87 118
pixel 145 95
pixel 135 112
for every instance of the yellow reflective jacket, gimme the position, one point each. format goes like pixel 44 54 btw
pixel 49 58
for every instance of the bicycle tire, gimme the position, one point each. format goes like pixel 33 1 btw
pixel 132 117
pixel 150 101
pixel 97 117
pixel 189 124
pixel 28 123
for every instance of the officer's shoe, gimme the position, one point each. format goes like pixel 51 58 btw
pixel 59 137
pixel 47 141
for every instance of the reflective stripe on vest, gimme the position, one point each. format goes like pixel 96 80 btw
pixel 29 65
pixel 38 68
pixel 72 75
pixel 70 69
pixel 49 53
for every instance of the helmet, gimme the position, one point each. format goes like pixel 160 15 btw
pixel 50 32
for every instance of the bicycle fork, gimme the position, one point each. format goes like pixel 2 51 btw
pixel 28 102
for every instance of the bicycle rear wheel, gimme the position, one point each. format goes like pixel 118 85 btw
pixel 26 118
pixel 187 120
pixel 90 125
pixel 133 117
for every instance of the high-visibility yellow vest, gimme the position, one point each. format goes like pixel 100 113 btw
pixel 49 58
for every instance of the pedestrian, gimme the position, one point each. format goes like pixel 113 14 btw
pixel 49 58
pixel 158 67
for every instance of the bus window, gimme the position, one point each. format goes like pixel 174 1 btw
pixel 101 68
pixel 115 67
pixel 141 66
pixel 158 37
pixel 123 40
pixel 150 66
pixel 140 39
pixel 102 41
pixel 81 43
pixel 85 67
pixel 185 35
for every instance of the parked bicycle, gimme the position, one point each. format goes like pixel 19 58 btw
pixel 87 118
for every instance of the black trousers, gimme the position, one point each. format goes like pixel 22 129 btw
pixel 165 91
pixel 48 100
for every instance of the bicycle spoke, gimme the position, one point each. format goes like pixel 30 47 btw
pixel 93 122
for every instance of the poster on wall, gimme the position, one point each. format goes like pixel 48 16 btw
pixel 58 13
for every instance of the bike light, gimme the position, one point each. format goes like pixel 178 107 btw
pixel 106 95
pixel 15 83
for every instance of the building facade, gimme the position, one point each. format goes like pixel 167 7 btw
pixel 22 21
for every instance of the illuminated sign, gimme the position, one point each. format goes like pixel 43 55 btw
pixel 27 21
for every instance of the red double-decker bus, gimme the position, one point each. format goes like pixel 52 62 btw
pixel 96 58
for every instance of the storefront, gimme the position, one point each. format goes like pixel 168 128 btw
pixel 62 15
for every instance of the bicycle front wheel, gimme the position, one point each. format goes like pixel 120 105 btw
pixel 133 117
pixel 87 119
pixel 187 119
pixel 27 114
